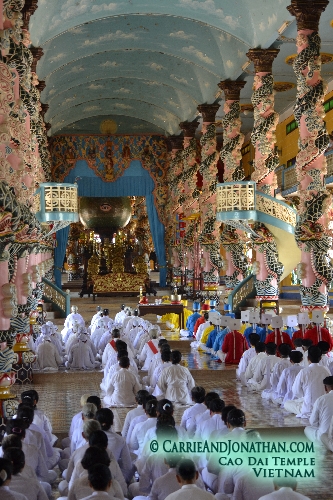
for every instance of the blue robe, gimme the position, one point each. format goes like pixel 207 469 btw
pixel 191 321
pixel 260 330
pixel 211 338
pixel 220 338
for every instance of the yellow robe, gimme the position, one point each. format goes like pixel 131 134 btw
pixel 206 333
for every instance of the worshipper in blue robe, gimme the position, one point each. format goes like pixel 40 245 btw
pixel 290 330
pixel 260 330
pixel 220 338
pixel 191 320
pixel 212 337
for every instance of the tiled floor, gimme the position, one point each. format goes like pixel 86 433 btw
pixel 60 395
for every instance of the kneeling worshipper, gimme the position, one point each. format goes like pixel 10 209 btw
pixel 316 333
pixel 122 386
pixel 284 350
pixel 247 356
pixel 176 381
pixel 308 385
pixel 263 369
pixel 191 321
pixel 6 469
pixel 234 344
pixel 284 388
pixel 48 358
pixel 80 356
pixel 74 316
pixel 121 315
pixel 322 412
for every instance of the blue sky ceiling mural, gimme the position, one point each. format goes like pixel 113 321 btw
pixel 148 64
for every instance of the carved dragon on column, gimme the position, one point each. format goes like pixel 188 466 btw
pixel 312 234
pixel 233 240
pixel 268 269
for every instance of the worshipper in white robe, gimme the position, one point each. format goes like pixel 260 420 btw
pixel 116 443
pixel 168 483
pixel 187 476
pixel 308 385
pixel 325 358
pixel 176 381
pixel 149 350
pixel 164 364
pixel 100 479
pixel 254 338
pixel 48 356
pixel 45 331
pixel 31 488
pixel 285 489
pixel 96 316
pixel 260 350
pixel 80 356
pixel 136 420
pixel 122 387
pixel 5 480
pixel 139 432
pixel 116 367
pixel 197 420
pixel 106 337
pixel 283 362
pixel 155 361
pixel 284 390
pixel 139 398
pixel 98 332
pixel 88 413
pixel 264 368
pixel 33 457
pixel 80 487
pixel 56 337
pixel 73 317
pixel 31 397
pixel 321 416
pixel 134 320
pixel 150 332
pixel 110 352
pixel 121 315
pixel 128 317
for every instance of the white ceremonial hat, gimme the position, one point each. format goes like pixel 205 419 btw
pixel 266 319
pixel 303 318
pixel 277 322
pixel 292 320
pixel 245 315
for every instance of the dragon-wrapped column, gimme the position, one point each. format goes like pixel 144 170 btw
pixel 211 260
pixel 233 239
pixel 312 234
pixel 267 267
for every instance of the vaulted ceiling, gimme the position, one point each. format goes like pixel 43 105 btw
pixel 147 64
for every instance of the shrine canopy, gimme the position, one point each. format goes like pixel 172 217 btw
pixel 135 181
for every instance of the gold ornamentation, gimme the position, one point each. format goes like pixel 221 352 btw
pixel 108 127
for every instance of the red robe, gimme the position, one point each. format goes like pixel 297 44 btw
pixel 279 338
pixel 197 324
pixel 298 335
pixel 316 336
pixel 233 346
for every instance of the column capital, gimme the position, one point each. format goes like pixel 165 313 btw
pixel 189 128
pixel 44 107
pixel 41 85
pixel 37 53
pixel 176 141
pixel 231 89
pixel 262 59
pixel 208 111
pixel 29 8
pixel 307 13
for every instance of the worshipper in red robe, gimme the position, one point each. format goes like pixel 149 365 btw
pixel 204 309
pixel 278 338
pixel 233 346
pixel 318 333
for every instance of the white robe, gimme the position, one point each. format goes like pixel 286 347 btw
pixel 320 418
pixel 284 388
pixel 48 356
pixel 251 368
pixel 81 357
pixel 261 377
pixel 284 494
pixel 176 383
pixel 122 389
pixel 129 418
pixel 275 377
pixel 188 418
pixel 244 361
pixel 147 354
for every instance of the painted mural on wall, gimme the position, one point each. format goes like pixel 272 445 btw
pixel 109 157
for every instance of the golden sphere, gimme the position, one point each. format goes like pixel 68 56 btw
pixel 108 127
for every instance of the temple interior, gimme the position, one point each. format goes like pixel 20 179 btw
pixel 163 154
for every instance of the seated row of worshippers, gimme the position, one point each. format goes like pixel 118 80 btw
pixel 134 471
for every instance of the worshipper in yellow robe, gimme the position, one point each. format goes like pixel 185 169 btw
pixel 172 319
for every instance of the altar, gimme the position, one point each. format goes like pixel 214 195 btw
pixel 112 284
pixel 161 309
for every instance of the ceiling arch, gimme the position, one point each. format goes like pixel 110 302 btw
pixel 239 18
pixel 129 107
pixel 173 100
